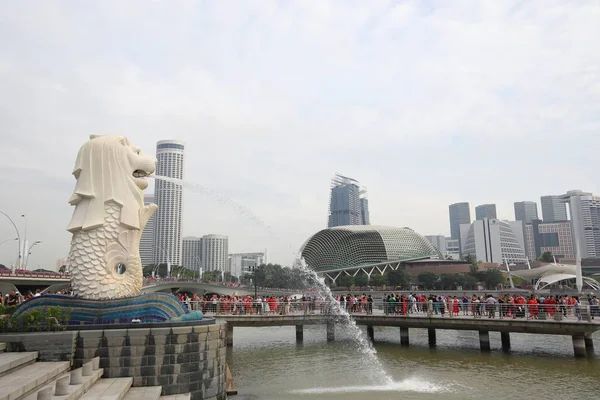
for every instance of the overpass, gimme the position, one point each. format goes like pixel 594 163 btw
pixel 31 280
pixel 53 282
pixel 194 287
pixel 176 286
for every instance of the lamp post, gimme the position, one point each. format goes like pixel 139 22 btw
pixel 18 264
pixel 8 240
pixel 24 244
pixel 29 252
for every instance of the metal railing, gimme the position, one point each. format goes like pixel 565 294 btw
pixel 401 309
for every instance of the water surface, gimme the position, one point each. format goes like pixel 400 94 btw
pixel 267 364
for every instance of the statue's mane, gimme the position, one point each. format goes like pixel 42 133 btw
pixel 103 174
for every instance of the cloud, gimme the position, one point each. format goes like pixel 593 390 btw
pixel 426 103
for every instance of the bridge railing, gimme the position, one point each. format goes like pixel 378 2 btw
pixel 402 309
pixel 33 274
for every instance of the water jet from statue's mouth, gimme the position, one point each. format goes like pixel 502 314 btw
pixel 138 173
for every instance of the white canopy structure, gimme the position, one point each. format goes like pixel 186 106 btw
pixel 552 273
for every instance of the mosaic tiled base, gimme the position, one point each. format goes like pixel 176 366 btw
pixel 149 307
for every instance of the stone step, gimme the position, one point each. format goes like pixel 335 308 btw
pixel 25 380
pixel 9 362
pixel 74 392
pixel 108 389
pixel 2 346
pixel 144 393
pixel 183 396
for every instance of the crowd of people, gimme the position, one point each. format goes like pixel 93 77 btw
pixel 248 305
pixel 15 298
pixel 505 306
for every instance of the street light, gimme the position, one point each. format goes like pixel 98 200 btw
pixel 8 240
pixel 18 238
pixel 24 244
pixel 29 252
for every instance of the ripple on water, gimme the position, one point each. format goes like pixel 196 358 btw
pixel 407 385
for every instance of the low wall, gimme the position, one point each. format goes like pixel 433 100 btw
pixel 181 359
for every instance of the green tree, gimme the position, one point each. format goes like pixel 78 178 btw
pixel 398 277
pixel 213 276
pixel 427 280
pixel 470 282
pixel 377 280
pixel 346 281
pixel 546 257
pixel 227 277
pixel 492 278
pixel 474 267
pixel 361 280
pixel 451 281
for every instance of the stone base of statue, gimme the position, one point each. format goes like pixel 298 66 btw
pixel 150 307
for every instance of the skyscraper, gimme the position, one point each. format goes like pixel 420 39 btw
pixel 460 213
pixel 555 237
pixel 191 253
pixel 168 197
pixel 494 241
pixel 147 240
pixel 485 211
pixel 215 255
pixel 241 263
pixel 364 211
pixel 348 204
pixel 585 222
pixel 438 241
pixel 526 211
pixel 553 209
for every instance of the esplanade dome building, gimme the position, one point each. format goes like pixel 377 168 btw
pixel 344 247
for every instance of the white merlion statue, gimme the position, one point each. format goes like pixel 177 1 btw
pixel 109 218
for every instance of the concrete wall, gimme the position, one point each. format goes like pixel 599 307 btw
pixel 181 359
pixel 51 346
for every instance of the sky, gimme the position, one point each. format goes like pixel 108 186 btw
pixel 425 102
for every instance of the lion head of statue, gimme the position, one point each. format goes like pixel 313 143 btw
pixel 109 168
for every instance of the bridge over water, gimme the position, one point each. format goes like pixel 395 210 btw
pixel 53 282
pixel 580 331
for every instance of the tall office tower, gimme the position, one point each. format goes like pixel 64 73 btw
pixel 168 197
pixel 585 221
pixel 526 211
pixel 553 209
pixel 438 241
pixel 485 211
pixel 348 204
pixel 215 255
pixel 452 248
pixel 240 263
pixel 191 253
pixel 460 213
pixel 555 237
pixel 494 241
pixel 147 240
pixel 364 211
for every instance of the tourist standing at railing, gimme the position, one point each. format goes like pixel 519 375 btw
pixel 594 303
pixel 491 306
pixel 577 306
